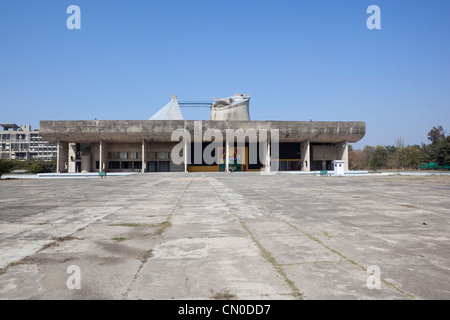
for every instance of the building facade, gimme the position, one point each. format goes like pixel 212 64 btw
pixel 146 145
pixel 22 143
pixel 229 141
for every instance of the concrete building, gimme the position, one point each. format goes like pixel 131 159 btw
pixel 22 143
pixel 146 145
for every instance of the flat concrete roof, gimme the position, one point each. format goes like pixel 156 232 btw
pixel 161 130
pixel 7 126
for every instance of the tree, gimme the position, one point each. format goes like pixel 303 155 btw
pixel 443 152
pixel 412 156
pixel 379 158
pixel 368 152
pixel 356 160
pixel 399 143
pixel 36 168
pixel 5 166
pixel 391 149
pixel 436 135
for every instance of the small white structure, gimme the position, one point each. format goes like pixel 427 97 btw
pixel 338 166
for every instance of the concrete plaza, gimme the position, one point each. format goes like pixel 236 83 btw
pixel 199 235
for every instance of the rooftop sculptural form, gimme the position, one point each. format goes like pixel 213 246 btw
pixel 232 108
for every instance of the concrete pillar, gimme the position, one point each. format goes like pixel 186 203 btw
pixel 58 155
pixel 62 157
pixel 227 160
pixel 185 155
pixel 144 156
pixel 268 156
pixel 305 156
pixel 342 153
pixel 324 164
pixel 72 157
pixel 102 156
pixel 86 159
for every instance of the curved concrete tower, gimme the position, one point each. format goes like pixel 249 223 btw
pixel 233 108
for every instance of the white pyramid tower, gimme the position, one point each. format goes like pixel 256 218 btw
pixel 170 111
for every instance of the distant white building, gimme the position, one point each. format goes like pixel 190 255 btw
pixel 22 143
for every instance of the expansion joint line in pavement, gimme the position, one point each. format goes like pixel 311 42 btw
pixel 310 236
pixel 147 254
pixel 264 252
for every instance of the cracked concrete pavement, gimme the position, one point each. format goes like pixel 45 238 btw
pixel 187 236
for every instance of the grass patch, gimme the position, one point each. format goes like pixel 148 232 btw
pixel 163 226
pixel 119 239
pixel 326 234
pixel 131 224
pixel 223 294
pixel 12 264
pixel 312 262
pixel 386 282
pixel 268 256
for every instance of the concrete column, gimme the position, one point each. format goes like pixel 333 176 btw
pixel 102 155
pixel 62 157
pixel 144 156
pixel 72 157
pixel 227 161
pixel 185 155
pixel 86 161
pixel 324 164
pixel 305 156
pixel 342 154
pixel 58 155
pixel 86 157
pixel 268 156
pixel 10 146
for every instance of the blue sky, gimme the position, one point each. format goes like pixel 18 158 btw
pixel 299 60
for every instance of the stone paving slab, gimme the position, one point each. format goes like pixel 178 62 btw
pixel 188 236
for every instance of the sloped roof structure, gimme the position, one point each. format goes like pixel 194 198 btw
pixel 170 111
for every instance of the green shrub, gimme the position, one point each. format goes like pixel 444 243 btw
pixel 5 166
pixel 36 168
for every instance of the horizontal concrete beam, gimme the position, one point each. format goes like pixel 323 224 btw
pixel 161 130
